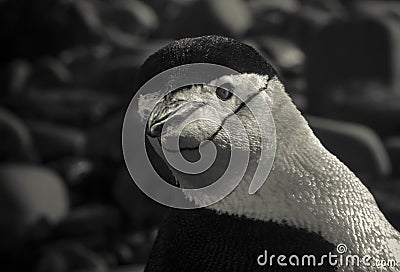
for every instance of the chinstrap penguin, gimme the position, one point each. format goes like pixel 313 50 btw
pixel 310 203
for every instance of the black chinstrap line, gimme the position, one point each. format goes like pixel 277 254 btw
pixel 242 105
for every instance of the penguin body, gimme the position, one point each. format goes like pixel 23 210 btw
pixel 204 240
pixel 310 203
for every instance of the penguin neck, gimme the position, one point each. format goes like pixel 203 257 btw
pixel 299 160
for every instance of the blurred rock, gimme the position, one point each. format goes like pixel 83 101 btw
pixel 49 73
pixel 81 176
pixel 89 220
pixel 352 49
pixel 272 17
pixel 107 68
pixel 167 11
pixel 45 27
pixel 140 51
pixel 74 170
pixel 360 51
pixel 124 253
pixel 223 17
pixel 387 14
pixel 54 141
pixel 289 6
pixel 132 247
pixel 81 59
pixel 332 7
pixel 393 147
pixel 116 75
pixel 76 107
pixel 14 77
pixel 378 9
pixel 29 195
pixel 367 102
pixel 84 16
pixel 69 257
pixel 16 139
pixel 82 56
pixel 140 243
pixel 284 53
pixel 311 17
pixel 97 187
pixel 131 16
pixel 48 27
pixel 119 22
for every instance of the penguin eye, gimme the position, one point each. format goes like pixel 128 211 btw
pixel 223 93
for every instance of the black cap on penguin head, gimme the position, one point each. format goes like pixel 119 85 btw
pixel 206 49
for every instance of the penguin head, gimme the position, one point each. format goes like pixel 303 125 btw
pixel 218 101
pixel 255 80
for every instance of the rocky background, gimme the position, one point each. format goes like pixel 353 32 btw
pixel 67 74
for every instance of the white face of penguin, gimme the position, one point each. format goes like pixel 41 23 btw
pixel 202 113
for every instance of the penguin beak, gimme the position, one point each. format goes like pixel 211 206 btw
pixel 154 130
pixel 161 113
pixel 166 110
pixel 156 121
